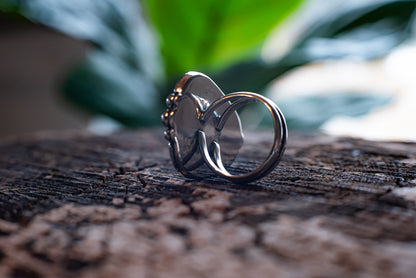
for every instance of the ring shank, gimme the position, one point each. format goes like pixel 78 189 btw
pixel 280 136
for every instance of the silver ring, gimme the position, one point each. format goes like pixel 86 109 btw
pixel 203 128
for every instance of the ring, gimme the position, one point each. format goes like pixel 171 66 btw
pixel 203 128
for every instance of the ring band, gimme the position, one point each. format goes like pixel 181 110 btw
pixel 200 118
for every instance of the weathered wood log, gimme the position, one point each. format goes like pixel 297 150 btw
pixel 74 205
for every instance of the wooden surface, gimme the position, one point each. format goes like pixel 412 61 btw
pixel 74 205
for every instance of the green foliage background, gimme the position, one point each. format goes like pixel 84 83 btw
pixel 140 48
pixel 213 33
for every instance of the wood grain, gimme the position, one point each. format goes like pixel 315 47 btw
pixel 78 205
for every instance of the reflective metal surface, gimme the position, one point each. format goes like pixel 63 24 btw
pixel 203 128
pixel 192 95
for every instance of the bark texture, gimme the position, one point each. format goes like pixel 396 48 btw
pixel 76 205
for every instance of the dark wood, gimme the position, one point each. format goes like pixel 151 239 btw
pixel 77 205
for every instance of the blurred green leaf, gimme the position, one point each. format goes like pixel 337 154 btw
pixel 106 85
pixel 213 32
pixel 365 30
pixel 7 6
pixel 114 26
pixel 310 112
pixel 360 32
pixel 121 74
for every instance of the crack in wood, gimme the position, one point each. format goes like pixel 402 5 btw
pixel 115 206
